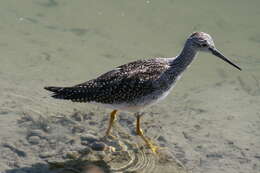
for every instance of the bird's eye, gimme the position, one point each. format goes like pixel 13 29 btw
pixel 204 45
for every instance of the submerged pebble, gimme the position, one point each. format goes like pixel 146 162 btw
pixel 46 154
pixel 77 116
pixel 84 143
pixel 161 139
pixel 257 156
pixel 98 146
pixel 34 140
pixel 15 149
pixel 36 132
pixel 214 155
pixel 78 129
pixel 89 138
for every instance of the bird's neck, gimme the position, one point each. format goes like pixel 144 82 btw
pixel 184 59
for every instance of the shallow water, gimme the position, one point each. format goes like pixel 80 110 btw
pixel 212 117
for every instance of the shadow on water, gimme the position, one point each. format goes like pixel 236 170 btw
pixel 89 161
pixel 121 162
pixel 71 166
pixel 35 168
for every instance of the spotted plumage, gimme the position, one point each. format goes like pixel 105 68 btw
pixel 127 84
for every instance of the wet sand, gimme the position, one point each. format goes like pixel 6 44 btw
pixel 197 135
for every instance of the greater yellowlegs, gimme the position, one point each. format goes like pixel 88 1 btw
pixel 133 86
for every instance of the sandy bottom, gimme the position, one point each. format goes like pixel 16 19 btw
pixel 205 132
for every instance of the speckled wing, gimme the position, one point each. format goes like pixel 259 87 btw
pixel 121 85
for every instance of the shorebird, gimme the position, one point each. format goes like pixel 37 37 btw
pixel 138 84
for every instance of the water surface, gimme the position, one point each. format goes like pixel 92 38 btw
pixel 210 120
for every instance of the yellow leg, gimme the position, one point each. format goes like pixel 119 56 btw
pixel 111 121
pixel 139 132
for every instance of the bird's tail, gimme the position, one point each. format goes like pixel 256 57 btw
pixel 53 89
pixel 60 92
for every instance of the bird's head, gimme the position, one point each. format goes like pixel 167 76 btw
pixel 202 41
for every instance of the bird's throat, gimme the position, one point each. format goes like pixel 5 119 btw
pixel 184 59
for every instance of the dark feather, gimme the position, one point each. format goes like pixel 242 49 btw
pixel 123 84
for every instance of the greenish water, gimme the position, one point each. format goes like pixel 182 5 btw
pixel 64 42
pixel 78 40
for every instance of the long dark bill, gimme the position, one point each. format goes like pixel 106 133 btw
pixel 218 54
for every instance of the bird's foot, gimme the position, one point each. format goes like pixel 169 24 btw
pixel 148 142
pixel 154 148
